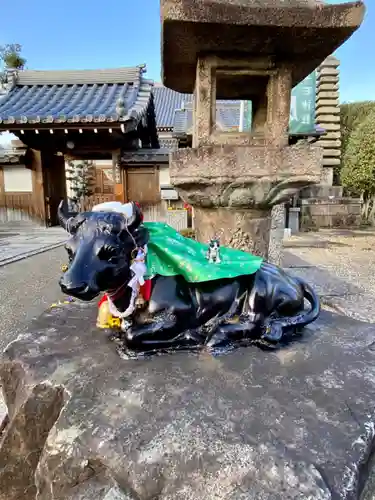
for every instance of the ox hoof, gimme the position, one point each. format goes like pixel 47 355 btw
pixel 272 333
pixel 218 339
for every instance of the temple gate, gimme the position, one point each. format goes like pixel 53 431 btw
pixel 88 114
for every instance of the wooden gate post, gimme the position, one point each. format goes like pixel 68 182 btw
pixel 34 162
pixel 118 187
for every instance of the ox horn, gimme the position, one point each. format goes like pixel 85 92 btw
pixel 69 221
pixel 136 218
pixel 63 218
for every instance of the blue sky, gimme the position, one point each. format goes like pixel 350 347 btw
pixel 72 34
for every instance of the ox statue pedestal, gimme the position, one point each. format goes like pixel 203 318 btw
pixel 85 424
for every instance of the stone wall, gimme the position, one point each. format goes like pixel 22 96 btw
pixel 328 116
pixel 324 206
pixel 336 213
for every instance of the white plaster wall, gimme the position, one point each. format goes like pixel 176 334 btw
pixel 164 178
pixel 69 191
pixel 17 179
pixel 103 163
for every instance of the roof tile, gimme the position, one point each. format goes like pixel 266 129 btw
pixel 174 110
pixel 227 117
pixel 76 96
pixel 166 103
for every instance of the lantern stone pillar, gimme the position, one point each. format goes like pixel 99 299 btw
pixel 230 49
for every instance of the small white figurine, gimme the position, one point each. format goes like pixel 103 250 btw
pixel 213 252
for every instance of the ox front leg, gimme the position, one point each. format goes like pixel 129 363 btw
pixel 163 332
pixel 171 318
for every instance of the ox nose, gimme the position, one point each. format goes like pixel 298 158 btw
pixel 72 288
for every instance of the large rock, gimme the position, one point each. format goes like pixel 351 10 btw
pixel 295 423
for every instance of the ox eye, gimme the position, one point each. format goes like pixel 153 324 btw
pixel 109 254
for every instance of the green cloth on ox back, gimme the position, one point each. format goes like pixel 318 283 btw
pixel 170 254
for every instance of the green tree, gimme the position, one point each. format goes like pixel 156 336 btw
pixel 81 176
pixel 358 172
pixel 10 54
pixel 351 115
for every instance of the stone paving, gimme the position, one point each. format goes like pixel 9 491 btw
pixel 18 241
pixel 341 266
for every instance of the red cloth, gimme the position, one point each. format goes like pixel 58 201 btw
pixel 144 289
pixel 102 300
pixel 139 206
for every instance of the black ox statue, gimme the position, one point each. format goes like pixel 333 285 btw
pixel 108 254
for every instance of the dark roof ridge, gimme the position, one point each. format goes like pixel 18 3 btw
pixel 81 77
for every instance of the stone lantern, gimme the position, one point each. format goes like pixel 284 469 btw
pixel 246 50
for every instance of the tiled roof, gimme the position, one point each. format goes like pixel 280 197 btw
pixel 166 103
pixel 227 117
pixel 183 121
pixel 11 155
pixel 174 110
pixel 80 77
pixel 114 95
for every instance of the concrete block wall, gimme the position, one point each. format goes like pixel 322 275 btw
pixel 328 115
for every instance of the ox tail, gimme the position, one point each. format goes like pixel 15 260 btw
pixel 275 328
pixel 313 312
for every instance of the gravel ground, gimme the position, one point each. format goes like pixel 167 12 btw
pixel 349 255
pixel 341 265
pixel 27 288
